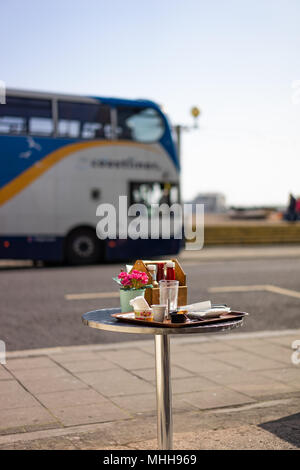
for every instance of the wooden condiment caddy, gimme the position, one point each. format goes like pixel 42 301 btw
pixel 152 293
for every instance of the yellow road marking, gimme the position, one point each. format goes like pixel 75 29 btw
pixel 262 287
pixel 251 288
pixel 92 295
pixel 238 288
pixel 282 291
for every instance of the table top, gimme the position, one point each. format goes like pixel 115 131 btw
pixel 103 320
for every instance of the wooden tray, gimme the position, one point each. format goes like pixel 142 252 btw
pixel 152 293
pixel 130 318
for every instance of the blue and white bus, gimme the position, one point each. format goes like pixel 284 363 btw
pixel 61 156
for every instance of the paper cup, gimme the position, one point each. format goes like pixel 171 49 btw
pixel 159 312
pixel 145 315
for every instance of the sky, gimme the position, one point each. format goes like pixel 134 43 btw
pixel 237 60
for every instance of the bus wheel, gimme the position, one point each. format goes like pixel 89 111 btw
pixel 83 247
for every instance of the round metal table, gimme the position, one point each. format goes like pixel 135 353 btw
pixel 103 320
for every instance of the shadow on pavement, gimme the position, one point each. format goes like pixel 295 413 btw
pixel 287 428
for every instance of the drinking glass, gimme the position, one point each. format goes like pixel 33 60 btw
pixel 168 294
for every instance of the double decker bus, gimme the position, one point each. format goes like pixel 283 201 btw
pixel 63 155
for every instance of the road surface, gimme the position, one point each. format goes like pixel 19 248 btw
pixel 42 307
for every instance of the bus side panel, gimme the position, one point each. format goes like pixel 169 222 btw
pixel 141 249
pixel 35 221
pixel 28 213
pixel 106 170
pixel 35 248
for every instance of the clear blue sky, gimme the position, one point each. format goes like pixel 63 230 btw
pixel 235 59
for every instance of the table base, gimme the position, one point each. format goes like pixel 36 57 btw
pixel 163 392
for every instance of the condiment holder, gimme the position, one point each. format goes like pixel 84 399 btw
pixel 152 293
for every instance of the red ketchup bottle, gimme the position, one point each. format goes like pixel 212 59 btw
pixel 170 271
pixel 160 272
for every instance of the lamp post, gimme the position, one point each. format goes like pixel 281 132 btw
pixel 195 112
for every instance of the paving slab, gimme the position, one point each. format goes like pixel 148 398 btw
pixel 286 340
pixel 192 384
pixel 50 373
pixel 210 347
pixel 29 363
pixel 5 374
pixel 262 388
pixel 202 364
pixel 267 350
pixel 57 384
pixel 88 365
pixel 130 359
pixel 71 356
pixel 67 398
pixel 89 413
pixel 245 360
pixel 13 395
pixel 215 398
pixel 56 443
pixel 146 403
pixel 287 375
pixel 116 382
pixel 26 417
pixel 149 374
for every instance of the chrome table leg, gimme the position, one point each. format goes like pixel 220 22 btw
pixel 163 392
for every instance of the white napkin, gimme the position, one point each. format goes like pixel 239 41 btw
pixel 139 303
pixel 198 307
pixel 204 309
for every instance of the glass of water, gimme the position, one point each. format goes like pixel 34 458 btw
pixel 168 294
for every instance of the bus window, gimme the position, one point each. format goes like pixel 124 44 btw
pixel 148 193
pixel 26 115
pixel 83 120
pixel 68 128
pixel 139 124
pixel 40 126
pixel 12 124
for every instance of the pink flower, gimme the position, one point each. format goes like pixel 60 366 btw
pixel 122 275
pixel 134 280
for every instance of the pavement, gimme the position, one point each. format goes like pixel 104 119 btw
pixel 217 253
pixel 230 391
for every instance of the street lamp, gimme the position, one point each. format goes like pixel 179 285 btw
pixel 195 112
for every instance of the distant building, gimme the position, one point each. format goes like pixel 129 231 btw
pixel 213 202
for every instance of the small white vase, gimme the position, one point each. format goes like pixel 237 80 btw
pixel 128 294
